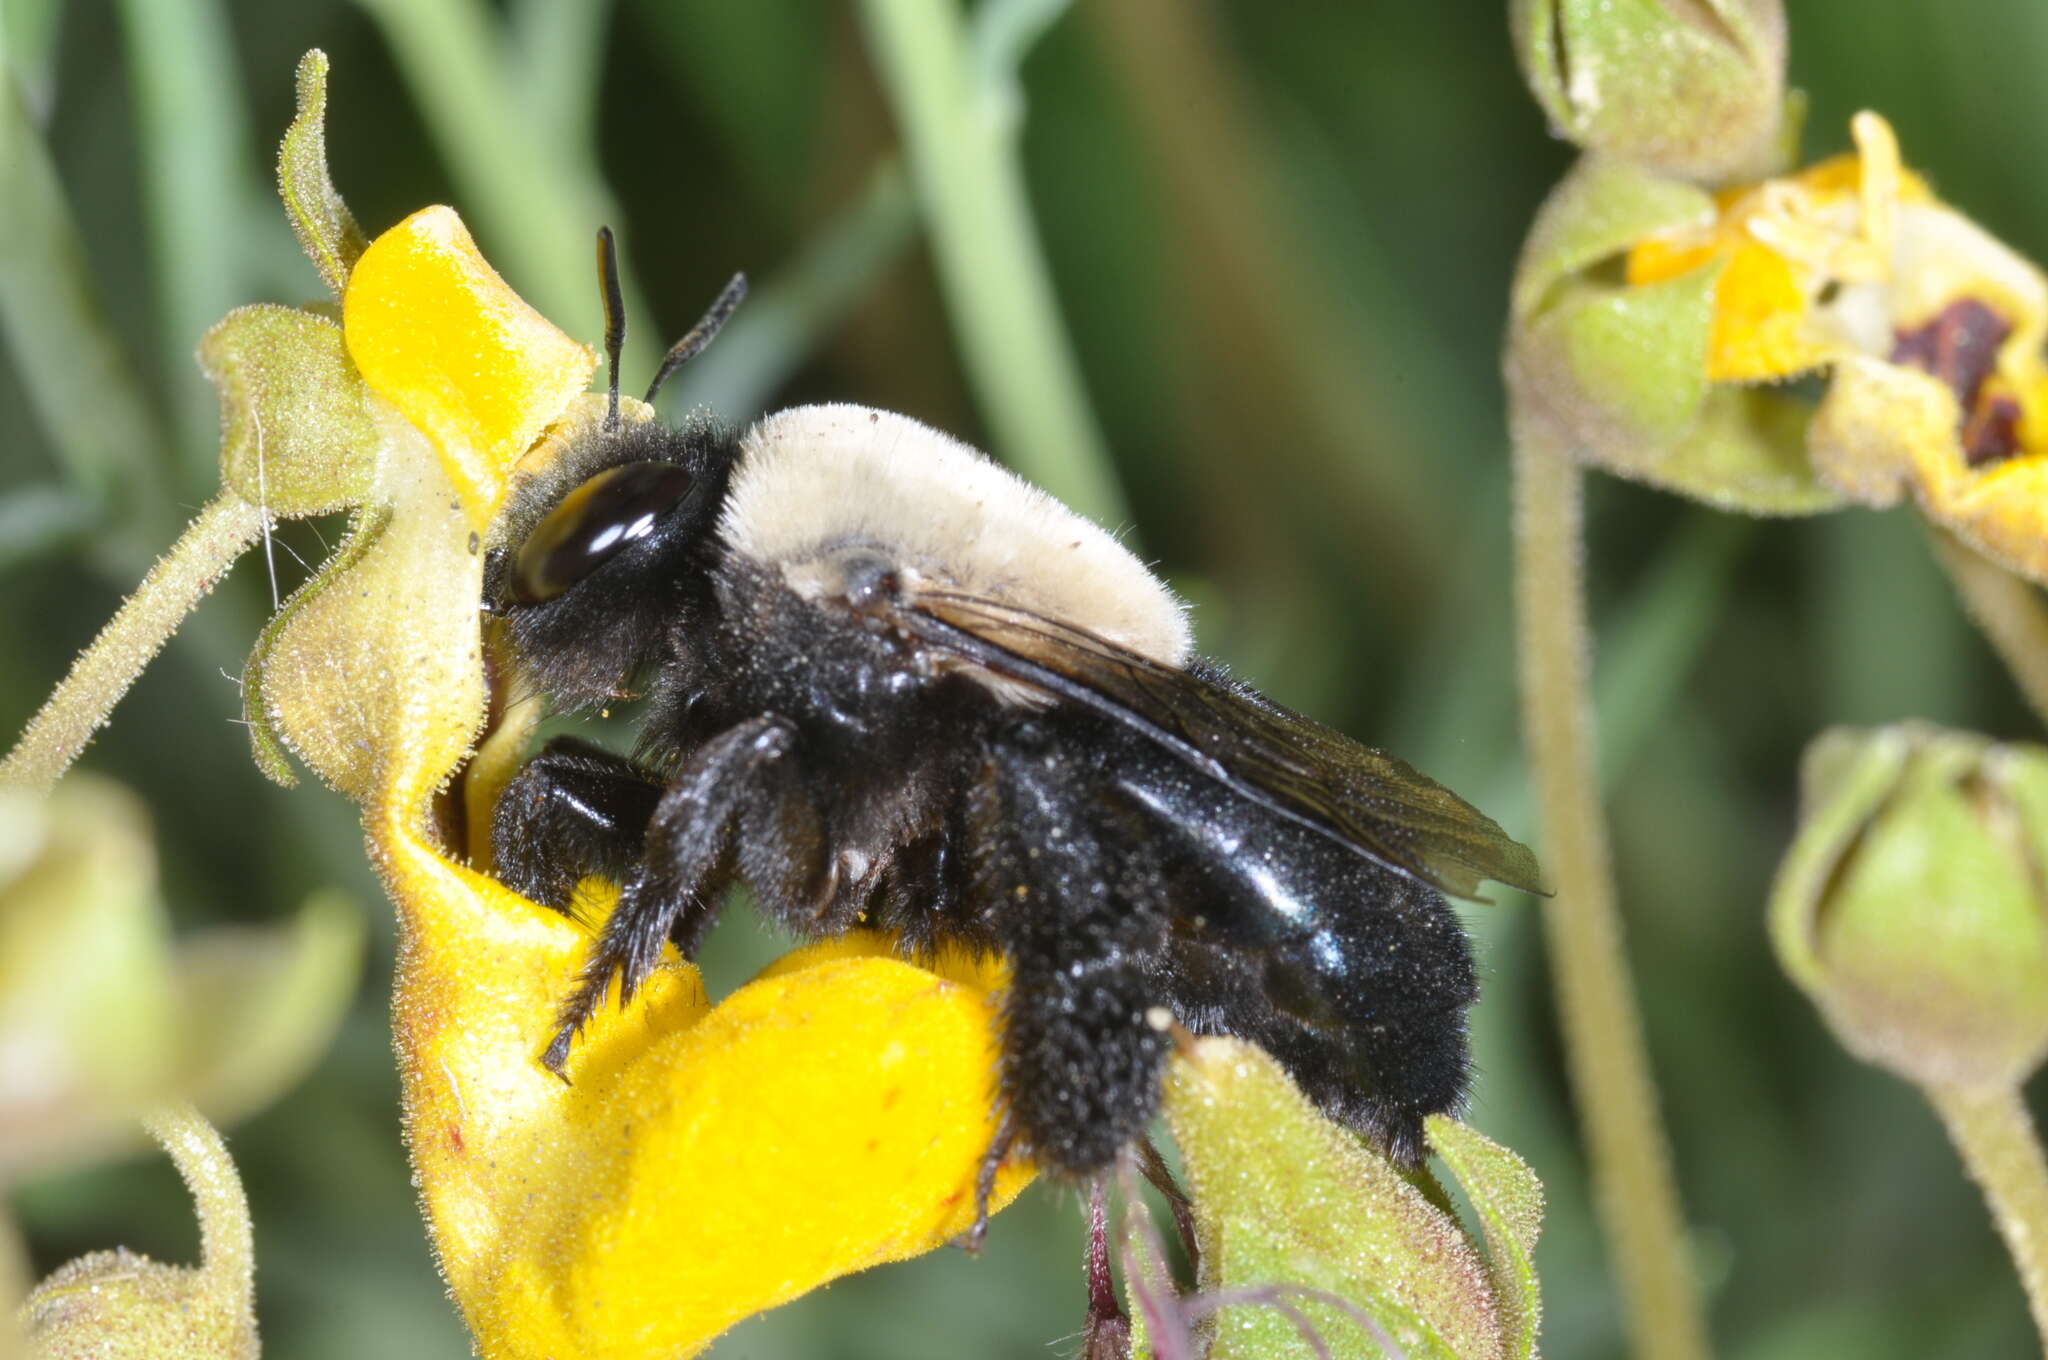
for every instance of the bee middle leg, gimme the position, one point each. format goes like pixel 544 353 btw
pixel 738 787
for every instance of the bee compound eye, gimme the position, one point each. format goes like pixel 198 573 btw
pixel 616 508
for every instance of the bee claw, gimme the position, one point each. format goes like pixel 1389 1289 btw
pixel 971 1240
pixel 985 1185
pixel 556 1059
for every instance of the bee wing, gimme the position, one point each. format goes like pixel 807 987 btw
pixel 1293 765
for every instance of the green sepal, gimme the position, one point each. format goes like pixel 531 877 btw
pixel 297 438
pixel 1508 1198
pixel 1598 210
pixel 1294 1208
pixel 1633 361
pixel 118 1305
pixel 1614 375
pixel 259 711
pixel 1747 453
pixel 326 229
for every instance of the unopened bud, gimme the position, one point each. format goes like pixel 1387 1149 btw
pixel 1911 904
pixel 1694 88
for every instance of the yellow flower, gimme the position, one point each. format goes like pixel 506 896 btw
pixel 1933 330
pixel 710 1161
pixel 1653 324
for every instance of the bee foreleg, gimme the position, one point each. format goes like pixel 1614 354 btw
pixel 573 811
pixel 685 866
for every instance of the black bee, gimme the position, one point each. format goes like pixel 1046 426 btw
pixel 893 685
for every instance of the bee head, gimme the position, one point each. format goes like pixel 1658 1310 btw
pixel 599 549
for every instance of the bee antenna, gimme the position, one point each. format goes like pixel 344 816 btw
pixel 702 334
pixel 614 316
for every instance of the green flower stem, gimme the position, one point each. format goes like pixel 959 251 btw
pixel 227 1249
pixel 1635 1196
pixel 2008 609
pixel 103 672
pixel 963 163
pixel 1995 1136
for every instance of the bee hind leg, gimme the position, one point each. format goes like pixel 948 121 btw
pixel 998 1151
pixel 1071 878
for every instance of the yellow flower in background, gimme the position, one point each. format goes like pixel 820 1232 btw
pixel 1789 250
pixel 1654 322
pixel 1855 257
pixel 709 1161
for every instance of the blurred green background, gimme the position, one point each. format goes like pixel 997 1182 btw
pixel 1280 238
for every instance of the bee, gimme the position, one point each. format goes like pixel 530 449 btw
pixel 893 685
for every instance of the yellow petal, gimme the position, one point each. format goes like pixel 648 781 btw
pixel 707 1163
pixel 1783 242
pixel 1884 430
pixel 440 336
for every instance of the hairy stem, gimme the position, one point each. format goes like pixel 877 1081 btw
pixel 103 672
pixel 2008 609
pixel 1634 1193
pixel 226 1245
pixel 958 130
pixel 1995 1135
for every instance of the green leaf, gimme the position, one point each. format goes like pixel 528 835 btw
pixel 73 367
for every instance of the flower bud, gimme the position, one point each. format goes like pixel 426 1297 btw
pixel 1694 89
pixel 1911 905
